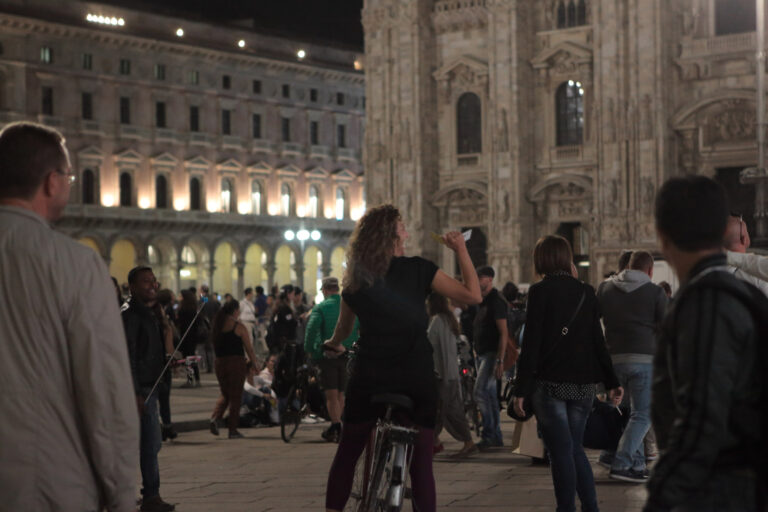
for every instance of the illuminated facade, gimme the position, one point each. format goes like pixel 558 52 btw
pixel 197 147
pixel 521 118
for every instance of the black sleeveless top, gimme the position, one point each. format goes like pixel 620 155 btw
pixel 229 344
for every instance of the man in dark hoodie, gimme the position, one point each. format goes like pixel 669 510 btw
pixel 632 308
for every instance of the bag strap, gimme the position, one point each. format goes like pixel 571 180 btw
pixel 575 313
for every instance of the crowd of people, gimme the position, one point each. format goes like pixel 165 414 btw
pixel 692 371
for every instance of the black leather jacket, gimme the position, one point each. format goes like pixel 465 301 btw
pixel 706 385
pixel 146 350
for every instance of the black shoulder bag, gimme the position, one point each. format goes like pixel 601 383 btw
pixel 527 405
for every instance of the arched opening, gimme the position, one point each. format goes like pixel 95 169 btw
pixel 90 242
pixel 195 194
pixel 468 124
pixel 285 261
pixel 190 274
pixel 286 199
pixel 338 262
pixel 255 272
pixel 126 189
pixel 122 260
pixel 314 201
pixel 161 191
pixel 569 108
pixel 225 275
pixel 313 273
pixel 340 203
pixel 227 195
pixel 257 197
pixel 88 184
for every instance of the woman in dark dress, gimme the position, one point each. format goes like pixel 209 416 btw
pixel 563 356
pixel 386 292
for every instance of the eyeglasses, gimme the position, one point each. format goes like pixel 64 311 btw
pixel 71 178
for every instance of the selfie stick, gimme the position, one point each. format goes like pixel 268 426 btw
pixel 170 359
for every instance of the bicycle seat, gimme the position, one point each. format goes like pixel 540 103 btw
pixel 394 399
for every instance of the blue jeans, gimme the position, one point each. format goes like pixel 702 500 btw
pixel 562 426
pixel 636 380
pixel 149 447
pixel 486 398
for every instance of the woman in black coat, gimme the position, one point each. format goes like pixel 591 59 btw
pixel 563 356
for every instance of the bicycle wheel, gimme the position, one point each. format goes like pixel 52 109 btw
pixel 290 419
pixel 379 484
pixel 357 494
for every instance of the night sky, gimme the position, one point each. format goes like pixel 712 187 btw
pixel 330 21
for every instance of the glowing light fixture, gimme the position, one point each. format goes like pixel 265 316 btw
pixel 185 273
pixel 179 204
pixel 108 200
pixel 144 203
pixel 302 235
pixel 289 235
pixel 358 64
pixel 180 32
pixel 241 43
pixel 315 235
pixel 105 20
pixel 301 54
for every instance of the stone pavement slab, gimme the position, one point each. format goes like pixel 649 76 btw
pixel 261 473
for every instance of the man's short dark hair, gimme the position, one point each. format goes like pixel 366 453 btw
pixel 28 153
pixel 624 260
pixel 641 260
pixel 133 274
pixel 248 291
pixel 260 290
pixel 486 271
pixel 692 212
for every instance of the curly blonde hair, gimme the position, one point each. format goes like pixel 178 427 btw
pixel 371 247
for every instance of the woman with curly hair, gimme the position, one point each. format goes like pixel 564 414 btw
pixel 386 291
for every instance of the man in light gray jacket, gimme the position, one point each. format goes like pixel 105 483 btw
pixel 69 433
pixel 632 307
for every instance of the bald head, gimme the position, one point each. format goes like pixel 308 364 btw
pixel 736 237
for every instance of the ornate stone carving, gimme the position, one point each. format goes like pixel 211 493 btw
pixel 571 208
pixel 451 16
pixel 503 142
pixel 734 123
pixel 647 193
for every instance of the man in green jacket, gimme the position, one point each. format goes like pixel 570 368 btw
pixel 333 370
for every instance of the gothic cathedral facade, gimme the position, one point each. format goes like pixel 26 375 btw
pixel 520 118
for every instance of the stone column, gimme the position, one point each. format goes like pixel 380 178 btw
pixel 326 269
pixel 177 274
pixel 271 268
pixel 240 278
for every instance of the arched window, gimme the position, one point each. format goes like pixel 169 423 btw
pixel 195 196
pixel 161 191
pixel 571 13
pixel 468 124
pixel 734 16
pixel 256 197
pixel 314 201
pixel 227 196
pixel 562 20
pixel 285 199
pixel 188 256
pixel 89 187
pixel 340 203
pixel 126 189
pixel 569 106
pixel 581 13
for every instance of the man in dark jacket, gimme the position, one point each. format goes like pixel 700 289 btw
pixel 632 307
pixel 146 352
pixel 707 389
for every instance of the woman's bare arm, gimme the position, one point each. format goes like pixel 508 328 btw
pixel 467 291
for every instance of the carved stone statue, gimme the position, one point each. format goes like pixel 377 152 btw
pixel 504 133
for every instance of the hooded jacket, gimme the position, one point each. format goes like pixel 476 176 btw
pixel 632 307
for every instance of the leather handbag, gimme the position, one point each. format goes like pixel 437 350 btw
pixel 527 402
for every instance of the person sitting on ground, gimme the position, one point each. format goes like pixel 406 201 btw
pixel 443 334
pixel 259 395
pixel 231 342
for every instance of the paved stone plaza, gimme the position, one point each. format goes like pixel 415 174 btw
pixel 262 473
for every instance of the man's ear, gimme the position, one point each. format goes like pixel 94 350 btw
pixel 50 185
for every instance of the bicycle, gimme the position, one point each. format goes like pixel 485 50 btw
pixel 380 482
pixel 467 376
pixel 298 404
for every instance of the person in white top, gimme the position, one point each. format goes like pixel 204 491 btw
pixel 69 441
pixel 248 312
pixel 747 267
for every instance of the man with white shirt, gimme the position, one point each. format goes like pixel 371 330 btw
pixel 69 435
pixel 744 266
pixel 248 313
